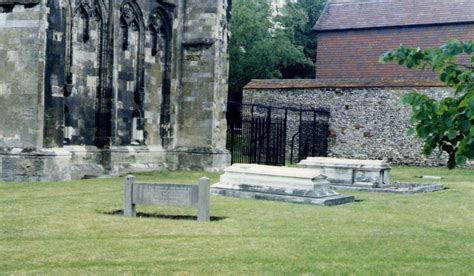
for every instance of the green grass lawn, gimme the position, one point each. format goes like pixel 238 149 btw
pixel 64 228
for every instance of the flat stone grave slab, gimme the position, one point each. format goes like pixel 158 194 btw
pixel 278 183
pixel 183 195
pixel 354 172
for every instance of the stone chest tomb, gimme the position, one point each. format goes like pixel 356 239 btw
pixel 367 173
pixel 296 185
pixel 362 175
pixel 99 86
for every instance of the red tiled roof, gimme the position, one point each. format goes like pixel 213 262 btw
pixel 359 14
pixel 341 83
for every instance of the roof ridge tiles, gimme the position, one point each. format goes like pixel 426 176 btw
pixel 362 14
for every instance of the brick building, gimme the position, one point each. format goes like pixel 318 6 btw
pixel 363 96
pixel 352 34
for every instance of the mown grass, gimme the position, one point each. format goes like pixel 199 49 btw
pixel 64 228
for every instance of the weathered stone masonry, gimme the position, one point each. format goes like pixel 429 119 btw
pixel 367 120
pixel 100 86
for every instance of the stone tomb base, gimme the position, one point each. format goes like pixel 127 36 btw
pixel 278 183
pixel 362 176
pixel 352 172
pixel 395 188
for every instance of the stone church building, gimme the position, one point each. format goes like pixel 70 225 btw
pixel 89 87
pixel 363 96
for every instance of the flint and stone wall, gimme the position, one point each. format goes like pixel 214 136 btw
pixel 90 87
pixel 367 121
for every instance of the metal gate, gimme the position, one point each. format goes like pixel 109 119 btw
pixel 270 135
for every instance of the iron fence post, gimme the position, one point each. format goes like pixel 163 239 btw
pixel 284 134
pixel 263 140
pixel 314 134
pixel 300 130
pixel 268 126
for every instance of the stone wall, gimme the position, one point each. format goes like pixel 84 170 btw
pixel 103 86
pixel 21 57
pixel 366 122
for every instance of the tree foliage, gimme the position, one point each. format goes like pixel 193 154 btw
pixel 298 20
pixel 446 124
pixel 264 47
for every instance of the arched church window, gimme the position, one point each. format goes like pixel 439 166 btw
pixel 83 11
pixel 155 27
pixel 132 24
pixel 160 28
pixel 129 20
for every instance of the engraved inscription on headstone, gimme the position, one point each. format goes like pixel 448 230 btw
pixel 166 194
pixel 183 195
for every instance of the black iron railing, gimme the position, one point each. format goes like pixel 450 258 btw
pixel 264 134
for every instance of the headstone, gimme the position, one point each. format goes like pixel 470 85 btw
pixel 278 183
pixel 183 195
pixel 356 172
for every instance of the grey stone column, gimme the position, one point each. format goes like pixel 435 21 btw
pixel 202 102
pixel 22 56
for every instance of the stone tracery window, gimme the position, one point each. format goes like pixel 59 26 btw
pixel 131 20
pixel 160 28
pixel 86 31
pixel 83 10
pixel 155 27
pixel 128 20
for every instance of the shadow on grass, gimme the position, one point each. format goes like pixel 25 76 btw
pixel 119 212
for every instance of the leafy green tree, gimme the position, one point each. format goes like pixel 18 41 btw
pixel 298 20
pixel 259 48
pixel 446 124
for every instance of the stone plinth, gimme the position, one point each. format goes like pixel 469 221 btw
pixel 395 188
pixel 278 183
pixel 353 172
pixel 42 165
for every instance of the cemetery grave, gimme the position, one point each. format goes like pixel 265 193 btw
pixel 64 229
pixel 363 176
pixel 278 183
